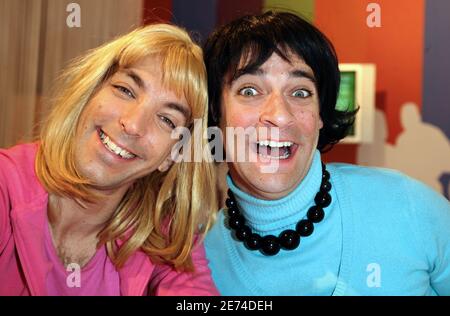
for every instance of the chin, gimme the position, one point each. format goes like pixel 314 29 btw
pixel 94 175
pixel 268 186
pixel 277 186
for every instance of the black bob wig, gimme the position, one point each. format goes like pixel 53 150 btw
pixel 254 38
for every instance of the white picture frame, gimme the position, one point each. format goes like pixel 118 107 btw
pixel 364 96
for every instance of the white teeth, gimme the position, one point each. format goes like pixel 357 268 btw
pixel 109 144
pixel 125 154
pixel 272 143
pixel 286 155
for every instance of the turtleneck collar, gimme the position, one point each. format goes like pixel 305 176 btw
pixel 272 216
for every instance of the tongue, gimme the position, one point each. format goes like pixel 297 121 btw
pixel 273 151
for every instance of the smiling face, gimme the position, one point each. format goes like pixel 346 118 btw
pixel 124 132
pixel 278 95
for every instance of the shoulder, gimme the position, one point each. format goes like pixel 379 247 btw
pixel 216 240
pixel 390 194
pixel 214 234
pixel 357 173
pixel 18 157
pixel 17 173
pixel 387 182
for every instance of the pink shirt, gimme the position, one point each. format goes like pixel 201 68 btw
pixel 29 265
pixel 97 277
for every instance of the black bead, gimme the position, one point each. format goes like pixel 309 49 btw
pixel 243 232
pixel 305 227
pixel 325 176
pixel 325 186
pixel 270 245
pixel 233 211
pixel 315 214
pixel 289 239
pixel 230 203
pixel 236 221
pixel 253 242
pixel 322 199
pixel 231 194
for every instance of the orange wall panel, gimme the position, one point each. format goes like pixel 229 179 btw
pixel 396 48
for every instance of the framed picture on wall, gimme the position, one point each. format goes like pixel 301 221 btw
pixel 357 89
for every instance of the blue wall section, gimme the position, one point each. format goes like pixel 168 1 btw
pixel 436 79
pixel 198 16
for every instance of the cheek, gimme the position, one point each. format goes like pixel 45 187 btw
pixel 84 120
pixel 241 117
pixel 310 122
pixel 103 108
pixel 167 145
pixel 237 119
pixel 159 145
pixel 104 111
pixel 235 114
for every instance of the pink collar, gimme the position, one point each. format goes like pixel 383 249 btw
pixel 29 220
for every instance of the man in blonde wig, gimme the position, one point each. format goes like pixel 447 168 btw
pixel 96 206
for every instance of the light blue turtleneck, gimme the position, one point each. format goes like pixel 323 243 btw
pixel 382 234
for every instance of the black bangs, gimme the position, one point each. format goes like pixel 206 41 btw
pixel 254 47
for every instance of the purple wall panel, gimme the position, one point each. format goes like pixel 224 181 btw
pixel 436 78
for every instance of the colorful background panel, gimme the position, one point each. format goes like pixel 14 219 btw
pixel 410 49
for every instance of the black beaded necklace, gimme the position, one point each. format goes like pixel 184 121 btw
pixel 288 239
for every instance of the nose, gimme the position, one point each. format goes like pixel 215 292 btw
pixel 134 121
pixel 276 112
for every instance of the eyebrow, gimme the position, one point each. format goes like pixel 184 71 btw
pixel 178 107
pixel 298 73
pixel 138 80
pixel 174 106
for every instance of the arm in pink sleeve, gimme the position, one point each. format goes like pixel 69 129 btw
pixel 5 207
pixel 166 281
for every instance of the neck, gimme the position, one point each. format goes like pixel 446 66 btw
pixel 68 217
pixel 269 216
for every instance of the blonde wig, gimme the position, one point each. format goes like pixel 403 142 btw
pixel 162 214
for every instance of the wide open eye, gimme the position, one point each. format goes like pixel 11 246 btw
pixel 248 92
pixel 302 93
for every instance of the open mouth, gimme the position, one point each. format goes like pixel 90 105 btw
pixel 113 147
pixel 274 150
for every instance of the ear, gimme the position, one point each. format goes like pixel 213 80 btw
pixel 320 123
pixel 166 164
